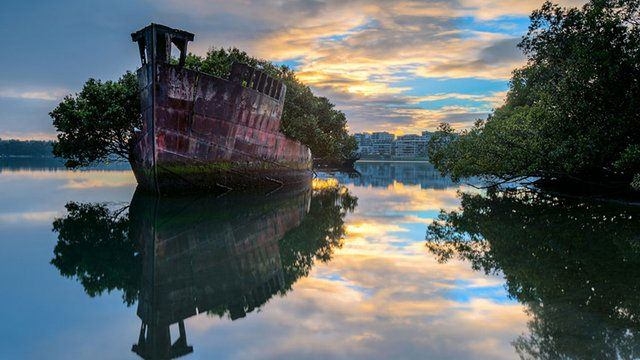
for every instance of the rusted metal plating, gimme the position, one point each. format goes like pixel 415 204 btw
pixel 154 43
pixel 202 132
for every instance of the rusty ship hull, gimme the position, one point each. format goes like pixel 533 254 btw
pixel 204 133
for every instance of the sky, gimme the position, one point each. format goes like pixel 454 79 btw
pixel 400 66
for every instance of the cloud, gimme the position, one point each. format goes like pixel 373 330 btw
pixel 411 120
pixel 359 53
pixel 28 217
pixel 486 59
pixel 492 9
pixel 34 94
pixel 459 96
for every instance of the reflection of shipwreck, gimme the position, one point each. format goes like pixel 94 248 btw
pixel 198 259
pixel 201 132
pixel 178 257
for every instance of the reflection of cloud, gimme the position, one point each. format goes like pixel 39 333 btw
pixel 27 135
pixel 408 198
pixel 97 183
pixel 364 228
pixel 88 179
pixel 371 304
pixel 35 197
pixel 381 296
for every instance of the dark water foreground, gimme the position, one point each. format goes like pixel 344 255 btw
pixel 336 269
pixel 179 257
pixel 574 264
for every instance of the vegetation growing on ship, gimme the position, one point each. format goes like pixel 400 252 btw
pixel 310 119
pixel 99 121
pixel 572 113
pixel 581 291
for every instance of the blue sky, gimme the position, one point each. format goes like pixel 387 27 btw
pixel 401 66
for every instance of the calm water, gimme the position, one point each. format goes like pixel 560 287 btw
pixel 351 267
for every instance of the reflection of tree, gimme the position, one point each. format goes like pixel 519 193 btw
pixel 94 246
pixel 320 232
pixel 574 263
pixel 182 256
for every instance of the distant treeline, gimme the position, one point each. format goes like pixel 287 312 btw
pixel 28 148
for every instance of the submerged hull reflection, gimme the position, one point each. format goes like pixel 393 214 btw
pixel 179 257
pixel 218 255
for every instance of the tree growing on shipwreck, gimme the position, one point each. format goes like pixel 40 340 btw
pixel 98 123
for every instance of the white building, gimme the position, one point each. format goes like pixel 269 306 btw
pixel 386 145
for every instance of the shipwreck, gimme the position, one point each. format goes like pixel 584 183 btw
pixel 205 133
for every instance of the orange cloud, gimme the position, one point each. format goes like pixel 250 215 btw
pixel 33 94
pixel 357 52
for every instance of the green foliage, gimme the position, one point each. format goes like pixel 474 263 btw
pixel 571 113
pixel 573 263
pixel 29 148
pixel 94 246
pixel 98 122
pixel 307 118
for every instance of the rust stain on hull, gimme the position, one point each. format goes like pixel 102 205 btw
pixel 204 133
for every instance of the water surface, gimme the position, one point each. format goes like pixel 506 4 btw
pixel 336 269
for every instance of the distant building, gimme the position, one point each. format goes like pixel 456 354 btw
pixel 365 146
pixel 382 144
pixel 427 135
pixel 385 145
pixel 410 146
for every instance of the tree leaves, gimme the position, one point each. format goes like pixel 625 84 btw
pixel 307 118
pixel 572 111
pixel 98 122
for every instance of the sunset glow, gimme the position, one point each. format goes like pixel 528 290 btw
pixel 398 66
